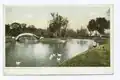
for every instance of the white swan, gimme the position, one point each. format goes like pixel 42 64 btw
pixel 18 63
pixel 58 59
pixel 59 54
pixel 13 37
pixel 51 56
pixel 41 37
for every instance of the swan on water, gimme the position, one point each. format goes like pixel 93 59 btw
pixel 51 56
pixel 41 37
pixel 59 54
pixel 13 37
pixel 18 63
pixel 58 59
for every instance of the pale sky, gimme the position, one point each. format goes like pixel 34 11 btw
pixel 40 15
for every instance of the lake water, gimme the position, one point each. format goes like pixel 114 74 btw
pixel 44 54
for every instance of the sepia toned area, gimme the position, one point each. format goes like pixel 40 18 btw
pixel 57 36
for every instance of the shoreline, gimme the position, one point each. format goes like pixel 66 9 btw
pixel 86 59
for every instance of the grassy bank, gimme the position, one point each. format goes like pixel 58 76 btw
pixel 98 56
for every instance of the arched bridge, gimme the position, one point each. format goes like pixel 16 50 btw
pixel 23 37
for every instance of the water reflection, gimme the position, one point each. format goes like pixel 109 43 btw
pixel 40 54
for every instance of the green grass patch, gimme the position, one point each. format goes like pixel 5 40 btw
pixel 95 57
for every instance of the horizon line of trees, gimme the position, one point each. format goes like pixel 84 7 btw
pixel 58 27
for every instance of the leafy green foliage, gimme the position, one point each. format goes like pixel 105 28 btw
pixel 82 32
pixel 99 24
pixel 57 23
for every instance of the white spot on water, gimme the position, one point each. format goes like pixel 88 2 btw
pixel 58 59
pixel 18 63
pixel 59 54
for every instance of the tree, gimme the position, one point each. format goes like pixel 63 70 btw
pixel 91 26
pixel 31 29
pixel 82 32
pixel 63 32
pixel 102 24
pixel 71 33
pixel 15 29
pixel 57 23
pixel 99 24
pixel 23 27
pixel 15 25
pixel 7 29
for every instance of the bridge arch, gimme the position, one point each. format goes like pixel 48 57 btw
pixel 26 34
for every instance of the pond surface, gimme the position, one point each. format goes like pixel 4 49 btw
pixel 44 54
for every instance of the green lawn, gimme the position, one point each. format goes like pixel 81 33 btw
pixel 93 57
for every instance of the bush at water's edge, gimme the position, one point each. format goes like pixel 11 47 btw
pixel 8 41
